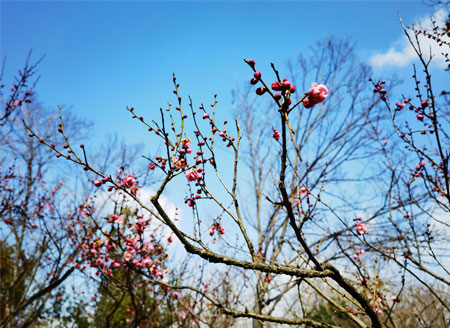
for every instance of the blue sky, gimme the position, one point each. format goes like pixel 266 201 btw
pixel 104 55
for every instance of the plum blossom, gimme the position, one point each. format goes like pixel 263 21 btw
pixel 129 181
pixel 117 219
pixel 128 255
pixel 147 262
pixel 193 175
pixel 303 190
pixel 361 228
pixel 179 163
pixel 316 95
pixel 186 144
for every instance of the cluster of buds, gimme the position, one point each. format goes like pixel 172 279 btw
pixel 216 226
pixel 438 33
pixel 284 88
pixel 417 173
pixel 190 201
pixel 276 135
pixel 357 255
pixel 99 183
pixel 379 89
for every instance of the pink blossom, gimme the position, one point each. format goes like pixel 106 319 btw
pixel 175 294
pixel 147 262
pixel 316 95
pixel 129 181
pixel 127 255
pixel 182 314
pixel 193 175
pixel 361 252
pixel 180 163
pixel 361 228
pixel 356 257
pixel 186 144
pixel 117 219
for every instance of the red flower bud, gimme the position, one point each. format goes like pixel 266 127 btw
pixel 253 81
pixel 260 91
pixel 292 89
pixel 276 86
pixel 251 62
pixel 257 75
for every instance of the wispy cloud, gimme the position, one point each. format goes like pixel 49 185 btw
pixel 401 53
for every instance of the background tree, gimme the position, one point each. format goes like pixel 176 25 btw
pixel 35 208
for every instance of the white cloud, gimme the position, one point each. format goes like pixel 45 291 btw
pixel 402 53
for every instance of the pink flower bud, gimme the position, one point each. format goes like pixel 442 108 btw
pixel 98 183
